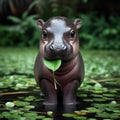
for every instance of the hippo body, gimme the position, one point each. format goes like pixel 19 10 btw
pixel 59 40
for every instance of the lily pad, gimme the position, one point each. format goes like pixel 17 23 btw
pixel 49 113
pixel 21 103
pixel 97 86
pixel 68 115
pixel 30 98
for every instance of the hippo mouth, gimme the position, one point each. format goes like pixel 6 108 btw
pixel 64 55
pixel 55 56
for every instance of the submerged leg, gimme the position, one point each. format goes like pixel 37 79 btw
pixel 69 93
pixel 49 92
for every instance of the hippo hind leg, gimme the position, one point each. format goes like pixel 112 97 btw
pixel 49 92
pixel 69 93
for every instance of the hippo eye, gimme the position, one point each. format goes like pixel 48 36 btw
pixel 72 33
pixel 44 34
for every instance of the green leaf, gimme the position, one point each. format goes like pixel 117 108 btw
pixel 40 117
pixel 21 103
pixel 28 107
pixel 29 98
pixel 82 112
pixel 97 86
pixel 14 19
pixel 52 65
pixel 68 115
pixel 47 119
pixel 25 15
pixel 6 114
pixel 49 113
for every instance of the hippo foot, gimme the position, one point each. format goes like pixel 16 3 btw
pixel 71 103
pixel 50 103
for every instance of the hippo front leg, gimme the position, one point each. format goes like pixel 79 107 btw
pixel 49 92
pixel 69 93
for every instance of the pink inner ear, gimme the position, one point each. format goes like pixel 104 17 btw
pixel 77 23
pixel 40 23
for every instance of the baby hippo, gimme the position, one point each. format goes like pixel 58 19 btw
pixel 59 40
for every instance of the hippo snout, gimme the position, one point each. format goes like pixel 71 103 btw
pixel 58 51
pixel 58 46
pixel 54 47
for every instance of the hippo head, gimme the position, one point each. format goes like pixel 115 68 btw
pixel 59 38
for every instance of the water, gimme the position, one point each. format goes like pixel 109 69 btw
pixel 98 98
pixel 92 103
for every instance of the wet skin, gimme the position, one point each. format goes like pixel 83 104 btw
pixel 59 40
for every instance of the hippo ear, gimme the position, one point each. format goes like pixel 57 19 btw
pixel 77 23
pixel 40 23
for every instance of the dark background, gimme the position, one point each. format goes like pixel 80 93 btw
pixel 100 18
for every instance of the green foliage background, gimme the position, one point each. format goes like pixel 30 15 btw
pixel 97 32
pixel 19 94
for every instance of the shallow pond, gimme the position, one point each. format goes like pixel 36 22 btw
pixel 98 97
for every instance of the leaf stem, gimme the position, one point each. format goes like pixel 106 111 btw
pixel 55 81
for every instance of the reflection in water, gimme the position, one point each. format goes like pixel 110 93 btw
pixel 59 109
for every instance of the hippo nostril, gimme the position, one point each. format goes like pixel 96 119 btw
pixel 64 47
pixel 58 47
pixel 52 47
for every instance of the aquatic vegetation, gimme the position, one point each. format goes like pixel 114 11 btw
pixel 98 95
